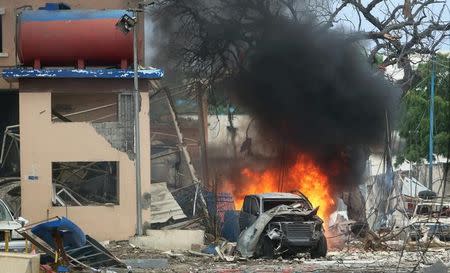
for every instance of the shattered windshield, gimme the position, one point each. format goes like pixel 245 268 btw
pixel 269 204
pixel 4 213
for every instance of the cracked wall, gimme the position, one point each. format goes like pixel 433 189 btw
pixel 111 114
pixel 120 134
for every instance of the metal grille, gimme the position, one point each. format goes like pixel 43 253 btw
pixel 299 230
pixel 126 119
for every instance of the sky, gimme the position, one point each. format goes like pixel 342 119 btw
pixel 382 8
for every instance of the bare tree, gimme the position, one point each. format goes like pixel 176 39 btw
pixel 401 32
pixel 208 39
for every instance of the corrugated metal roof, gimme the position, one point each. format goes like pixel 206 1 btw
pixel 163 205
pixel 412 187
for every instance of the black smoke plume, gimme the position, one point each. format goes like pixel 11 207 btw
pixel 313 89
pixel 309 88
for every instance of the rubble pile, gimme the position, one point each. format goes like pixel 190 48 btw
pixel 352 258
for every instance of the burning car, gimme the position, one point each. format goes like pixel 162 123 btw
pixel 275 224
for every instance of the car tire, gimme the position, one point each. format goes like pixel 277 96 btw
pixel 321 249
pixel 427 195
pixel 265 247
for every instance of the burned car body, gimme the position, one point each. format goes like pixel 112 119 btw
pixel 431 219
pixel 280 223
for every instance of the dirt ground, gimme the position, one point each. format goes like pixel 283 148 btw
pixel 349 259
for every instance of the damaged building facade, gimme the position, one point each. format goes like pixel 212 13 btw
pixel 77 150
pixel 47 147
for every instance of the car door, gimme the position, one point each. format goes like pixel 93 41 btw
pixel 244 214
pixel 254 210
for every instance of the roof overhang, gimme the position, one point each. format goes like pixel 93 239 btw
pixel 15 74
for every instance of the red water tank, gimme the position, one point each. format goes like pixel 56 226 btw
pixel 73 38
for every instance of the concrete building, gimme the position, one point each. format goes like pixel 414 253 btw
pixel 77 150
pixel 45 142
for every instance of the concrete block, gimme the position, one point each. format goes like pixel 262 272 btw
pixel 19 262
pixel 169 239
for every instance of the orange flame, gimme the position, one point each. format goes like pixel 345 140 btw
pixel 304 176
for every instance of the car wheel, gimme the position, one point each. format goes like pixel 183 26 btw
pixel 427 194
pixel 265 248
pixel 321 249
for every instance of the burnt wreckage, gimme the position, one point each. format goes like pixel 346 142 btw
pixel 275 224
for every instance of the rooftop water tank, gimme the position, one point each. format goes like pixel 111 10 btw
pixel 73 38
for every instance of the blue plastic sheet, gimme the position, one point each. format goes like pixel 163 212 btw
pixel 230 228
pixel 72 236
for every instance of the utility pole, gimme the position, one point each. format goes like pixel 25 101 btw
pixel 137 134
pixel 203 130
pixel 430 155
pixel 126 24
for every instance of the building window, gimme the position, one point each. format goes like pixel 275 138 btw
pixel 93 108
pixel 85 183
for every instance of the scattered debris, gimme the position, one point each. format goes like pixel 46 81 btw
pixel 187 157
pixel 188 224
pixel 65 244
pixel 163 205
pixel 200 254
pixel 437 267
pixel 147 263
pixel 10 194
pixel 85 183
pixel 172 254
pixel 10 239
pixel 10 151
pixel 223 255
pixel 353 258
